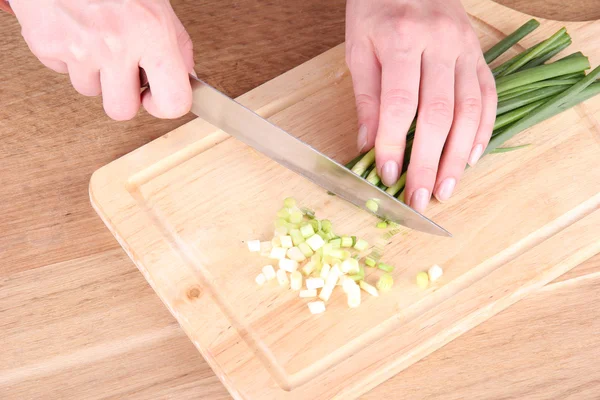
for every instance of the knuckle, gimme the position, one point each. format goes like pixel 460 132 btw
pixel 398 102
pixel 365 104
pixel 438 112
pixel 427 172
pixel 470 108
pixel 442 22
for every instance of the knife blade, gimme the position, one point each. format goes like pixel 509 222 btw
pixel 250 128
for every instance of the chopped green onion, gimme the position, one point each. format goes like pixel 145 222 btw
pixel 286 241
pixel 381 225
pixel 297 237
pixel 385 282
pixel 308 213
pixel 336 243
pixel 347 241
pixel 372 205
pixel 370 262
pixel 368 288
pixel 337 253
pixel 435 273
pixel 358 276
pixel 323 235
pixel 350 266
pixel 316 224
pixel 296 254
pixel 361 245
pixel 327 249
pixel 315 242
pixel 283 213
pixel 289 202
pixel 296 217
pixel 307 230
pixel 326 225
pixel 385 267
pixel 305 249
pixel 422 280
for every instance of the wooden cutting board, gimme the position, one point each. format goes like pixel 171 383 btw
pixel 183 206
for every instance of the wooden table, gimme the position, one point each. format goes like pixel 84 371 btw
pixel 78 321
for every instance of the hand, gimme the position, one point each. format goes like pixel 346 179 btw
pixel 419 57
pixel 102 44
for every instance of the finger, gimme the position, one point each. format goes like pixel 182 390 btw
pixel 366 79
pixel 489 103
pixel 399 98
pixel 121 91
pixel 467 114
pixel 84 79
pixel 55 65
pixel 170 92
pixel 436 110
pixel 186 47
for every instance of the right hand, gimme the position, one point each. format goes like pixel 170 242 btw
pixel 103 44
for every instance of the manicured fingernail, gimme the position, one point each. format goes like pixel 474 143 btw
pixel 194 74
pixel 389 173
pixel 420 199
pixel 361 141
pixel 475 155
pixel 445 190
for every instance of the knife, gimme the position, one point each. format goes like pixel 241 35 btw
pixel 250 128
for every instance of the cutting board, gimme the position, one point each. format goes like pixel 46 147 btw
pixel 183 206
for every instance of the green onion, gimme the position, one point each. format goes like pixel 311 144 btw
pixel 307 230
pixel 509 94
pixel 353 162
pixel 509 149
pixel 361 245
pixel 385 267
pixel 509 41
pixel 347 241
pixel 515 115
pixel 538 50
pixel 385 282
pixel 305 249
pixel 359 276
pixel 364 163
pixel 381 225
pixel 289 202
pixel 296 217
pixel 543 72
pixel 316 224
pixel 297 237
pixel 373 178
pixel 372 205
pixel 543 58
pixel 336 243
pixel 370 262
pixel 552 107
pixel 326 225
pixel 283 213
pixel 308 213
pixel 528 98
pixel 393 190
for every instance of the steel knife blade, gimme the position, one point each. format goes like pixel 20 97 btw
pixel 250 128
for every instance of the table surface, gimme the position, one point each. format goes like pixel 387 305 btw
pixel 77 319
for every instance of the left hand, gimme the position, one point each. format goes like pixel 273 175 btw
pixel 407 56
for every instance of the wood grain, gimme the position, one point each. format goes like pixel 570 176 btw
pixel 53 139
pixel 582 10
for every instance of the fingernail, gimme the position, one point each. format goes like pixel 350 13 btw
pixel 475 155
pixel 420 199
pixel 361 141
pixel 194 74
pixel 445 190
pixel 389 173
